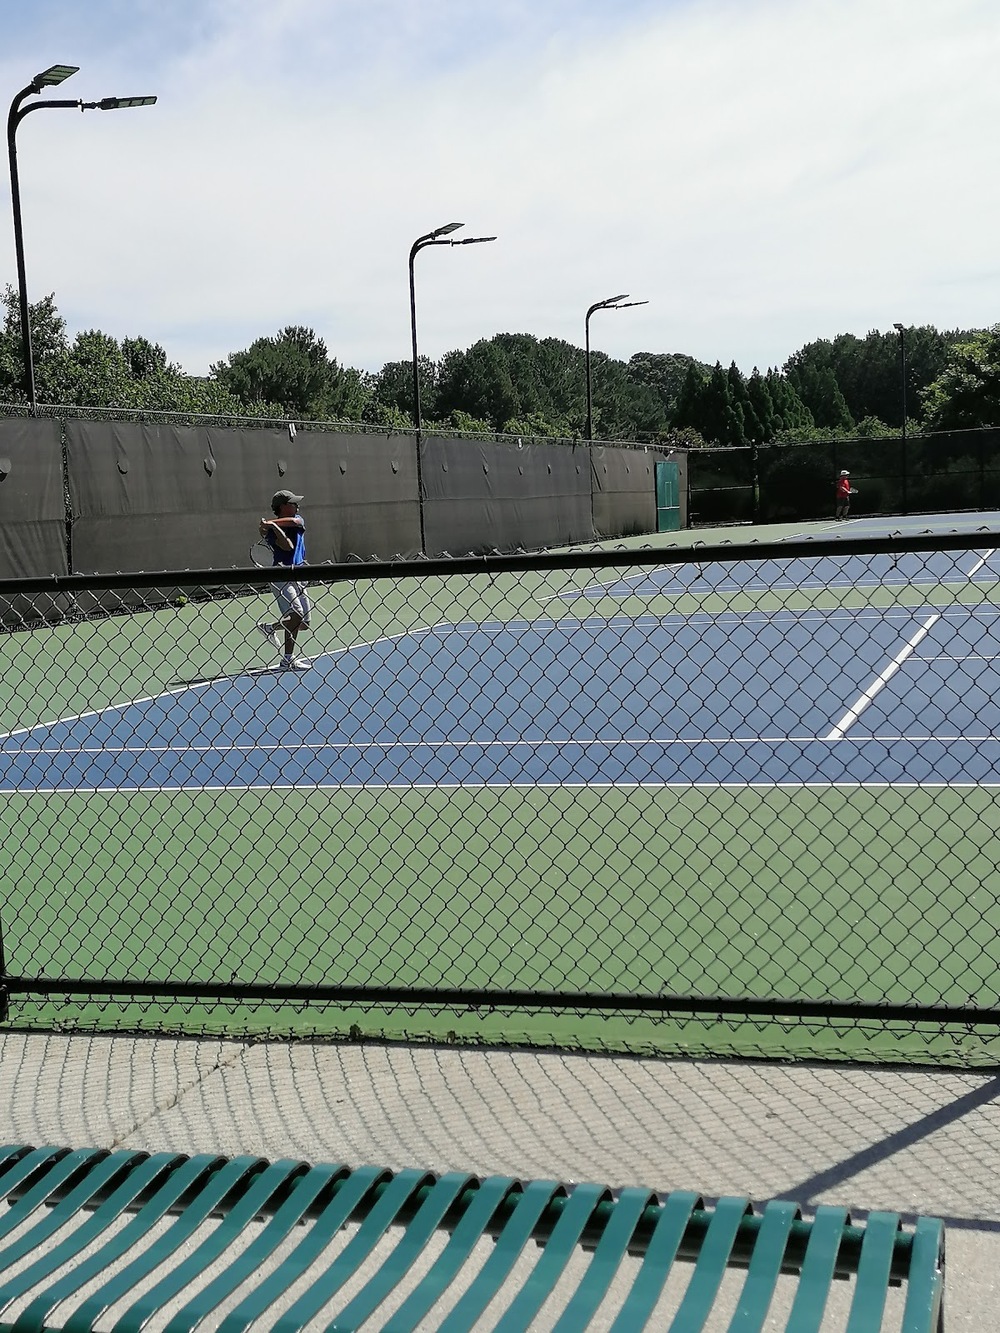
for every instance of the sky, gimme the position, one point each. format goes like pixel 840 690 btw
pixel 763 173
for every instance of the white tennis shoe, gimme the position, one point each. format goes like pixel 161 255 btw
pixel 295 664
pixel 270 632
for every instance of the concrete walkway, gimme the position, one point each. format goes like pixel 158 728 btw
pixel 909 1140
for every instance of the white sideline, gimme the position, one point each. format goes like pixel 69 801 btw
pixel 862 702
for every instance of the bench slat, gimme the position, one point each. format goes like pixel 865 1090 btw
pixel 441 1196
pixel 871 1286
pixel 466 1235
pixel 924 1307
pixel 711 1265
pixel 765 1266
pixel 818 1267
pixel 558 1251
pixel 657 1261
pixel 629 1207
pixel 534 1199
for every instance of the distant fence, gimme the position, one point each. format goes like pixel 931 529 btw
pixel 82 495
pixel 777 483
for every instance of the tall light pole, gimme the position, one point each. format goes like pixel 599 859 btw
pixel 903 387
pixel 55 74
pixel 902 371
pixel 609 303
pixel 439 236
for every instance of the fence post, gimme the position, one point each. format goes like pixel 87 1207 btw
pixel 67 498
pixel 4 992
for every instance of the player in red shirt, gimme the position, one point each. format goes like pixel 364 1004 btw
pixel 844 492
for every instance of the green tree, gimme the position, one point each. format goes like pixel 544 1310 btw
pixel 790 413
pixel 967 392
pixel 817 387
pixel 295 371
pixel 478 383
pixel 759 399
pixel 868 370
pixel 689 396
pixel 48 344
pixel 392 389
pixel 662 372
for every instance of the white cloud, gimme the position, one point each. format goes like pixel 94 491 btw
pixel 763 172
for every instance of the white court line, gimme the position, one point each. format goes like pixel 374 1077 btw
pixel 862 702
pixel 979 564
pixel 504 786
pixel 543 742
pixel 204 684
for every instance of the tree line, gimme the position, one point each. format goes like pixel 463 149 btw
pixel 518 384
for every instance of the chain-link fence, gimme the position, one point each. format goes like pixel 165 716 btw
pixel 778 483
pixel 735 800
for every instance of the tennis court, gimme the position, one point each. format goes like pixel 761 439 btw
pixel 767 777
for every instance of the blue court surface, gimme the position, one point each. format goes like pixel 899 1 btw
pixel 875 695
pixel 921 568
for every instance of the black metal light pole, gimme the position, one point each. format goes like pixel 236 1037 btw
pixel 436 237
pixel 609 303
pixel 903 468
pixel 902 370
pixel 439 236
pixel 55 74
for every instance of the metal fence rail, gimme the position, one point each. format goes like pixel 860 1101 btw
pixel 716 799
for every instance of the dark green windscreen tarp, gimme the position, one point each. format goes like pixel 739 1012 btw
pixel 149 497
pixel 32 507
pixel 624 491
pixel 484 495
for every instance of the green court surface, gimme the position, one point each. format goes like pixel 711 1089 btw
pixel 846 892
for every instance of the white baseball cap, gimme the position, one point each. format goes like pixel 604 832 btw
pixel 845 474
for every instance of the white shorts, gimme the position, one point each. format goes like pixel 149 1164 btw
pixel 293 597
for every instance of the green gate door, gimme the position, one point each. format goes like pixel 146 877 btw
pixel 668 503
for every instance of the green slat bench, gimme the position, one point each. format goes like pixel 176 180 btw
pixel 82 1231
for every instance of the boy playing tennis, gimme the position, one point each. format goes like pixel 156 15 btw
pixel 285 534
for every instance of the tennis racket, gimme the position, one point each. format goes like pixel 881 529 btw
pixel 261 554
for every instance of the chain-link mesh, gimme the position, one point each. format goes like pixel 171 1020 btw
pixel 714 800
pixel 781 483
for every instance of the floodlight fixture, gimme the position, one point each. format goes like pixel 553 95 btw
pixel 53 75
pixel 118 103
